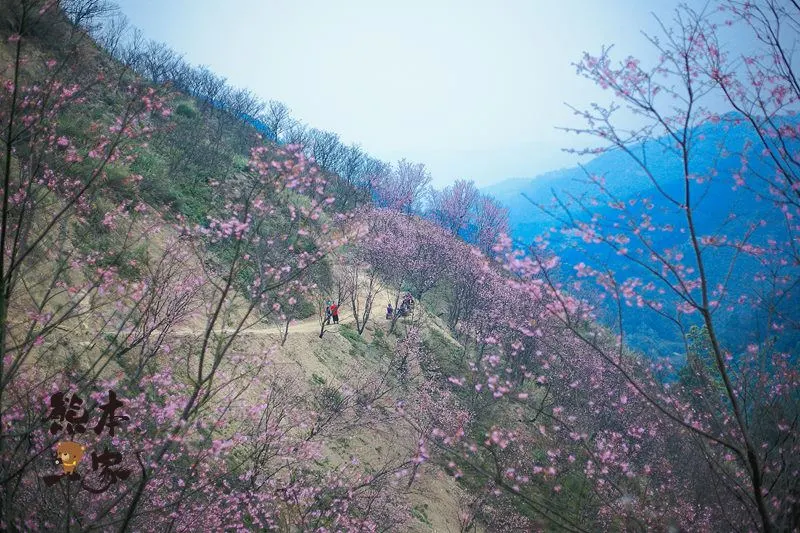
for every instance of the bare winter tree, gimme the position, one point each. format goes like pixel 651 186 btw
pixel 349 166
pixel 276 115
pixel 236 101
pixel 88 14
pixel 111 33
pixel 373 172
pixel 325 148
pixel 297 133
pixel 352 165
pixel 210 87
pixel 159 62
pixel 243 105
pixel 130 53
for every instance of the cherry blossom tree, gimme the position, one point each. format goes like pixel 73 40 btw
pixel 597 411
pixel 49 181
pixel 332 286
pixel 403 188
pixel 534 400
pixel 453 206
pixel 692 278
pixel 296 301
pixel 490 220
pixel 406 252
pixel 363 286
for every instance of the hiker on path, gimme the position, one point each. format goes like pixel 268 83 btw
pixel 405 307
pixel 335 313
pixel 327 312
pixel 389 311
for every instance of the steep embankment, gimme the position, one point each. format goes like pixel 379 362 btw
pixel 335 368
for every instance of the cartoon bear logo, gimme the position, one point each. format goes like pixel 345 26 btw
pixel 69 454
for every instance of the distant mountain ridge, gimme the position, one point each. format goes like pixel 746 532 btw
pixel 625 179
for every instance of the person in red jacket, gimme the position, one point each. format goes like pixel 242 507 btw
pixel 335 313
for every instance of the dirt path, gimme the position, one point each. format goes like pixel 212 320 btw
pixel 309 325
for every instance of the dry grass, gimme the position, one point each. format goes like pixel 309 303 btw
pixel 304 360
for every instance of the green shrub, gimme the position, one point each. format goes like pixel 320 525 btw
pixel 185 109
pixel 330 399
pixel 349 333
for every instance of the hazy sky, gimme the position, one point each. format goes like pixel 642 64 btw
pixel 473 89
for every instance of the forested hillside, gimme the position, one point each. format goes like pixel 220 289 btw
pixel 194 334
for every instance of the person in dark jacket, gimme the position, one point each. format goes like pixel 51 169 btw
pixel 389 311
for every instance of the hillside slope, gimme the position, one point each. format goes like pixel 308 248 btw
pixel 158 247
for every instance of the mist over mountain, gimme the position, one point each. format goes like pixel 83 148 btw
pixel 722 159
pixel 717 146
